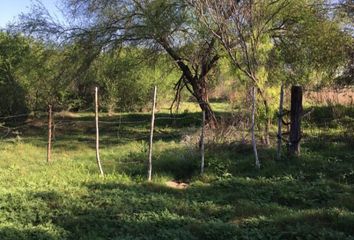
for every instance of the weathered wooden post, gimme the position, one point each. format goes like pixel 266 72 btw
pixel 49 145
pixel 280 117
pixel 151 134
pixel 295 120
pixel 202 145
pixel 98 160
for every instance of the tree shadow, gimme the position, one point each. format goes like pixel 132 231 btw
pixel 114 130
pixel 237 208
pixel 20 233
pixel 180 163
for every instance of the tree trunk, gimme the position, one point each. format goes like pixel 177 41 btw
pixel 210 118
pixel 295 120
pixel 280 116
pixel 195 82
pixel 201 94
pixel 254 91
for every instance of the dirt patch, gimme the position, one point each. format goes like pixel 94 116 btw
pixel 177 185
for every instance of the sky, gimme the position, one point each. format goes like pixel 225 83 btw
pixel 10 9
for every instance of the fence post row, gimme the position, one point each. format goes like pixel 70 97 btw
pixel 97 133
pixel 151 134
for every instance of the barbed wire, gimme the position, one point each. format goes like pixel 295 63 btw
pixel 120 122
pixel 62 122
pixel 176 118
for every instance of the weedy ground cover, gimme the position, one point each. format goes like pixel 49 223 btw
pixel 309 197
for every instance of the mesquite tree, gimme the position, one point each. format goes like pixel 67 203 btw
pixel 244 28
pixel 294 42
pixel 13 51
pixel 312 52
pixel 160 25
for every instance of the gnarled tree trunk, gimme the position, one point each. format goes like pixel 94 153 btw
pixel 209 115
pixel 201 94
pixel 195 81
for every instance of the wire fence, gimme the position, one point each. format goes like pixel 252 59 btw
pixel 10 127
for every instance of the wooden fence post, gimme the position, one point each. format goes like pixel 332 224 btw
pixel 151 134
pixel 254 91
pixel 280 117
pixel 97 134
pixel 202 145
pixel 49 145
pixel 295 120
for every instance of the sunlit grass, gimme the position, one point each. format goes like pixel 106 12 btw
pixel 310 197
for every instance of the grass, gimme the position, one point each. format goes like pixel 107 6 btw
pixel 309 197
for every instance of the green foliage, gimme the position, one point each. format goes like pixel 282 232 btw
pixel 65 77
pixel 127 79
pixel 33 74
pixel 160 18
pixel 13 49
pixel 314 49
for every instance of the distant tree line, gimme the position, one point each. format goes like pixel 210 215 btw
pixel 34 74
pixel 125 47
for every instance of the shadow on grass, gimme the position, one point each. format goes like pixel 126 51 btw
pixel 325 114
pixel 237 208
pixel 113 130
pixel 180 163
pixel 21 233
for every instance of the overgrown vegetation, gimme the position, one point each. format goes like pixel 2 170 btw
pixel 227 58
pixel 310 197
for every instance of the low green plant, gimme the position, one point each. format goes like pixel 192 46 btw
pixel 310 197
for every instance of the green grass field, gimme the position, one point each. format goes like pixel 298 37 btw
pixel 310 197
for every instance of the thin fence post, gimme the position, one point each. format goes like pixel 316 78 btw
pixel 254 91
pixel 49 146
pixel 202 148
pixel 151 134
pixel 97 134
pixel 280 116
